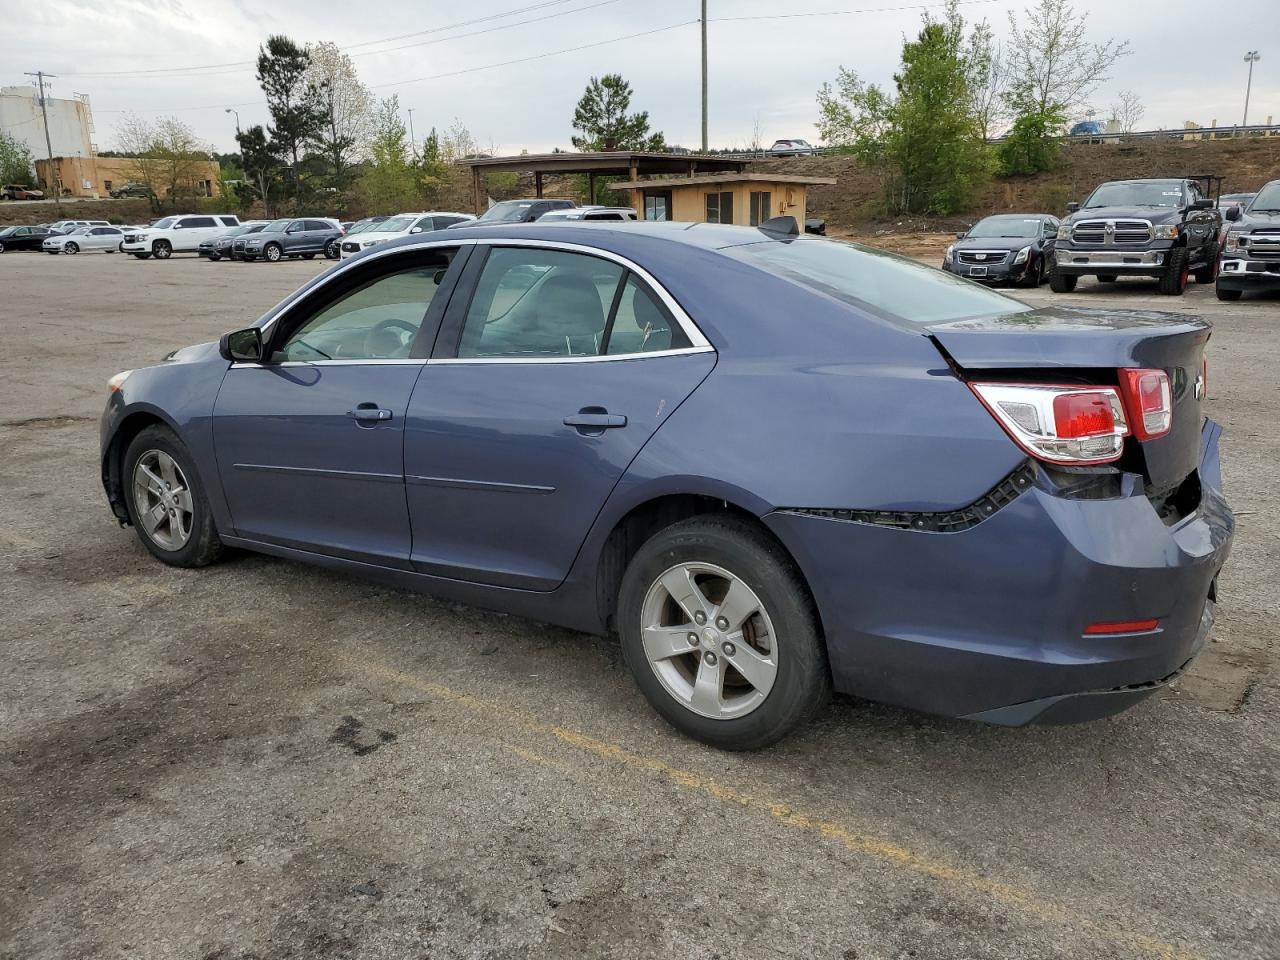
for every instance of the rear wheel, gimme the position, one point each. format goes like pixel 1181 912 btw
pixel 1173 282
pixel 271 252
pixel 1063 282
pixel 166 500
pixel 1209 272
pixel 163 249
pixel 720 634
pixel 1227 294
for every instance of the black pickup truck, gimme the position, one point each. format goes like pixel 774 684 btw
pixel 1251 253
pixel 1166 229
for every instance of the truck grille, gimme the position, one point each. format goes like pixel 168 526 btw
pixel 983 256
pixel 1264 245
pixel 1111 233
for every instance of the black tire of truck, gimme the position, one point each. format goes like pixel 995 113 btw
pixel 1063 282
pixel 1173 282
pixel 1209 272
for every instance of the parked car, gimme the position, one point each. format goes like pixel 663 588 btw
pixel 16 191
pixel 816 225
pixel 66 226
pixel 1087 128
pixel 591 213
pixel 1228 200
pixel 930 539
pixel 1007 248
pixel 516 211
pixel 131 189
pixel 791 148
pixel 219 247
pixel 22 238
pixel 1167 229
pixel 179 234
pixel 393 228
pixel 102 239
pixel 1251 253
pixel 292 237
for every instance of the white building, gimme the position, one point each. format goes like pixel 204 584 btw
pixel 70 122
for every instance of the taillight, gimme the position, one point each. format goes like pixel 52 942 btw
pixel 1149 402
pixel 1060 424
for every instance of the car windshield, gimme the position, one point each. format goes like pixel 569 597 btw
pixel 234 232
pixel 78 231
pixel 889 285
pixel 7 231
pixel 277 226
pixel 1005 227
pixel 164 224
pixel 364 225
pixel 1152 193
pixel 395 224
pixel 512 211
pixel 1267 200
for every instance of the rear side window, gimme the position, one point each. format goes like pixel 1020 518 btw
pixel 891 286
pixel 192 223
pixel 229 221
pixel 642 324
pixel 318 225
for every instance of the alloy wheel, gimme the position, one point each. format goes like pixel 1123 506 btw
pixel 162 249
pixel 272 252
pixel 709 640
pixel 162 499
pixel 71 248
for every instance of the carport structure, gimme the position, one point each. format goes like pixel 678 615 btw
pixel 612 164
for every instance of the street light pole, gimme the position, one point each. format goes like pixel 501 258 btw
pixel 237 113
pixel 413 143
pixel 1250 58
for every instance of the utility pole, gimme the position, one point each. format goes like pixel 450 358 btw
pixel 413 143
pixel 704 76
pixel 48 143
pixel 1250 58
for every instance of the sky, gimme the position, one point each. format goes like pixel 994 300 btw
pixel 512 70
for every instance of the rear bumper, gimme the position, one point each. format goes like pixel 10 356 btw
pixel 989 622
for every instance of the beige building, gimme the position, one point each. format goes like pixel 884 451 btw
pixel 747 199
pixel 95 176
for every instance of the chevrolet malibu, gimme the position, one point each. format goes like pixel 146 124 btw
pixel 775 465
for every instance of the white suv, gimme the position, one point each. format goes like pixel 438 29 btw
pixel 66 226
pixel 181 234
pixel 404 225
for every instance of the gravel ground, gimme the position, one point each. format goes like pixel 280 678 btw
pixel 265 760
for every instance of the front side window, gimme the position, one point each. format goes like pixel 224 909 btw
pixel 720 207
pixel 377 321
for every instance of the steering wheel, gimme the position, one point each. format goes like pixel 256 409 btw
pixel 383 342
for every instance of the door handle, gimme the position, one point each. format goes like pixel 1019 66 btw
pixel 593 421
pixel 369 413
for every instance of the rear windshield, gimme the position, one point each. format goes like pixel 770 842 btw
pixel 1006 227
pixel 885 283
pixel 1153 193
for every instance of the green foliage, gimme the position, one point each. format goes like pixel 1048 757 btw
pixel 390 182
pixel 261 167
pixel 1031 145
pixel 346 108
pixel 297 112
pixel 602 117
pixel 16 163
pixel 925 139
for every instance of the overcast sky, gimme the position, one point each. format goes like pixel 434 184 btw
pixel 763 66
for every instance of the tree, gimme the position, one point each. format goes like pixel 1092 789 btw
pixel 165 157
pixel 259 161
pixel 294 103
pixel 16 163
pixel 433 168
pixel 987 68
pixel 1127 111
pixel 389 183
pixel 1053 67
pixel 346 110
pixel 602 117
pixel 1032 144
pixel 923 139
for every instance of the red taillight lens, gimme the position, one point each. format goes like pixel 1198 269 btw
pixel 1080 414
pixel 1121 626
pixel 1059 423
pixel 1149 401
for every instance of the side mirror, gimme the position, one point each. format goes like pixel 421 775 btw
pixel 242 346
pixel 1204 203
pixel 961 235
pixel 416 230
pixel 1073 206
pixel 1233 213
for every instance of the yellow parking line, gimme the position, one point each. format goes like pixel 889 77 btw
pixel 862 843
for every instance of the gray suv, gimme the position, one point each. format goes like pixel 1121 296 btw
pixel 294 237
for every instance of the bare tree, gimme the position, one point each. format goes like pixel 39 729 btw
pixel 164 156
pixel 1127 111
pixel 757 136
pixel 457 142
pixel 1053 66
pixel 988 67
pixel 347 109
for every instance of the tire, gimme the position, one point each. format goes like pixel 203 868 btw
pixel 1173 282
pixel 271 252
pixel 1 248
pixel 1226 294
pixel 793 671
pixel 120 249
pixel 1209 272
pixel 52 253
pixel 163 249
pixel 214 258
pixel 308 256
pixel 1063 282
pixel 143 256
pixel 1033 276
pixel 72 248
pixel 201 545
pixel 1107 278
pixel 331 250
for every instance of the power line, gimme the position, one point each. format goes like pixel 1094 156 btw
pixel 844 13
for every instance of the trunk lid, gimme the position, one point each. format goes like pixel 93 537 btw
pixel 1088 345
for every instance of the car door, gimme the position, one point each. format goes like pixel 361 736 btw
pixel 553 368
pixel 310 442
pixel 294 240
pixel 104 238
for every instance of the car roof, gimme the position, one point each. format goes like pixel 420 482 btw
pixel 607 234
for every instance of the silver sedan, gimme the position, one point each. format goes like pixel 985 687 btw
pixel 106 239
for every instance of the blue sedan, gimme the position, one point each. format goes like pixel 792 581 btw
pixel 775 465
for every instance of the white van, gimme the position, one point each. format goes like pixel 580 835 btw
pixel 179 234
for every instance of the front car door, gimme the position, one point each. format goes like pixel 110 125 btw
pixel 554 366
pixel 310 443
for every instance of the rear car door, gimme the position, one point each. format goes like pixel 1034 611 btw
pixel 105 238
pixel 554 366
pixel 189 231
pixel 310 443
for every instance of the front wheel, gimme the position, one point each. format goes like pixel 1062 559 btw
pixel 720 634
pixel 71 248
pixel 272 252
pixel 1227 294
pixel 162 249
pixel 331 250
pixel 143 256
pixel 166 500
pixel 1032 278
pixel 1063 282
pixel 214 257
pixel 1173 282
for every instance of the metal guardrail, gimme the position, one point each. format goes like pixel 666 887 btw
pixel 1197 133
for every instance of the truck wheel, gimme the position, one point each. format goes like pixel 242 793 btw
pixel 163 249
pixel 1209 272
pixel 1173 282
pixel 1063 282
pixel 1227 294
pixel 1107 278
